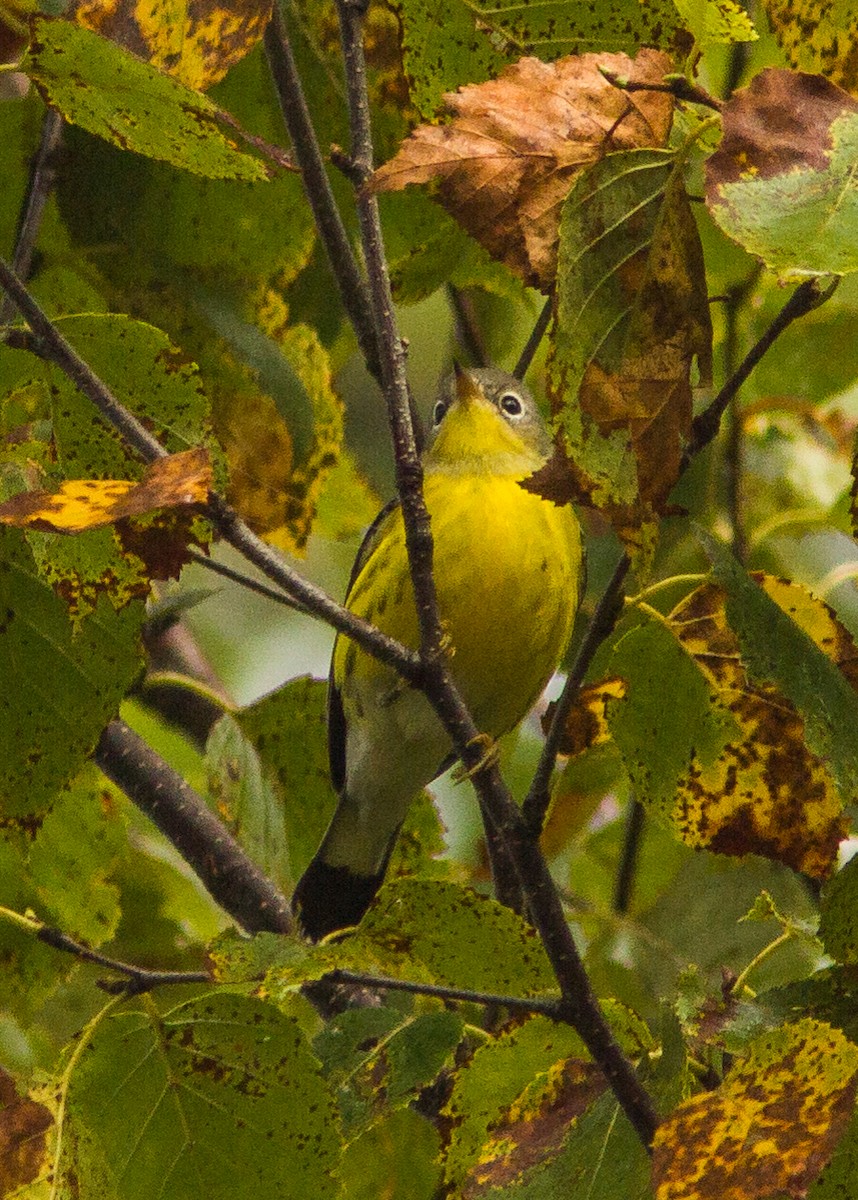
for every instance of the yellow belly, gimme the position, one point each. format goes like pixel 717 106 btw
pixel 508 574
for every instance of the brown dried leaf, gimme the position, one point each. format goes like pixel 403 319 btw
pixel 771 1126
pixel 516 144
pixel 23 1125
pixel 766 793
pixel 587 723
pixel 196 41
pixel 176 480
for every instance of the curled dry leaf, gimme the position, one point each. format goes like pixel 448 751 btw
pixel 516 144
pixel 173 481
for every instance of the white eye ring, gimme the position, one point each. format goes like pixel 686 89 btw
pixel 439 411
pixel 511 404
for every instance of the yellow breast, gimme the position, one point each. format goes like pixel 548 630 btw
pixel 508 574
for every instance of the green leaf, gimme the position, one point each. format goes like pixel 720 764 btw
pixel 838 926
pixel 601 1157
pixel 107 91
pixel 494 1078
pixel 779 651
pixel 245 798
pixel 716 22
pixel 61 684
pixel 789 200
pixel 666 716
pixel 395 1157
pixel 289 734
pixel 219 1096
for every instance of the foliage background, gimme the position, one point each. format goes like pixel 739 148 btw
pixel 182 263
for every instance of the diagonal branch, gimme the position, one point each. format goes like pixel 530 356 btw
pixel 229 875
pixel 578 1004
pixel 296 115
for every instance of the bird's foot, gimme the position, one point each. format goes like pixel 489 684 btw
pixel 488 758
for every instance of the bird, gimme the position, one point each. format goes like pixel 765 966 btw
pixel 508 568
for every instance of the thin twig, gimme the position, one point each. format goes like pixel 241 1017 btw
pixel 139 979
pixel 635 821
pixel 332 231
pixel 674 85
pixel 733 454
pixel 246 581
pixel 549 1008
pixel 532 345
pixel 39 188
pixel 536 802
pixel 806 297
pixel 228 874
pixel 578 1005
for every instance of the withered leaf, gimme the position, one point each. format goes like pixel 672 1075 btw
pixel 767 793
pixel 176 480
pixel 587 724
pixel 771 1126
pixel 507 160
pixel 199 42
pixel 23 1128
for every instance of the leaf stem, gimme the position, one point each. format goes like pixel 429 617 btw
pixel 740 984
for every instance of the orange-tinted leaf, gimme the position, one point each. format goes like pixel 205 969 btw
pixel 587 724
pixel 767 792
pixel 179 479
pixel 534 1129
pixel 818 37
pixel 197 42
pixel 771 1126
pixel 23 1125
pixel 507 160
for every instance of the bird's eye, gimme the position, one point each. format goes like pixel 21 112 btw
pixel 439 410
pixel 511 404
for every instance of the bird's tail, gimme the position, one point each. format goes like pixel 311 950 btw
pixel 329 898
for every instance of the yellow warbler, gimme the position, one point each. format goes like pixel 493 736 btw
pixel 508 570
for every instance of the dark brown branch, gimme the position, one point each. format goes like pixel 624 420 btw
pixel 39 188
pixel 229 875
pixel 536 802
pixel 635 821
pixel 532 345
pixel 806 297
pixel 578 1006
pixel 296 115
pixel 139 979
pixel 548 1008
pixel 674 85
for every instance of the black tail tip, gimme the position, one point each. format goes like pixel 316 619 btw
pixel 330 898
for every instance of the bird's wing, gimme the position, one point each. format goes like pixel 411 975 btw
pixel 336 716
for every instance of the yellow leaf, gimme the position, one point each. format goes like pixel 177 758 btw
pixel 178 479
pixel 771 1126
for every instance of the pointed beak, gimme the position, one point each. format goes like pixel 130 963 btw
pixel 467 388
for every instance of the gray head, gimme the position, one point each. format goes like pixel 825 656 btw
pixel 508 395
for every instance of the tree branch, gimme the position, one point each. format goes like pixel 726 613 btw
pixel 39 188
pixel 296 115
pixel 578 1005
pixel 229 875
pixel 548 1008
pixel 50 344
pixel 532 344
pixel 635 821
